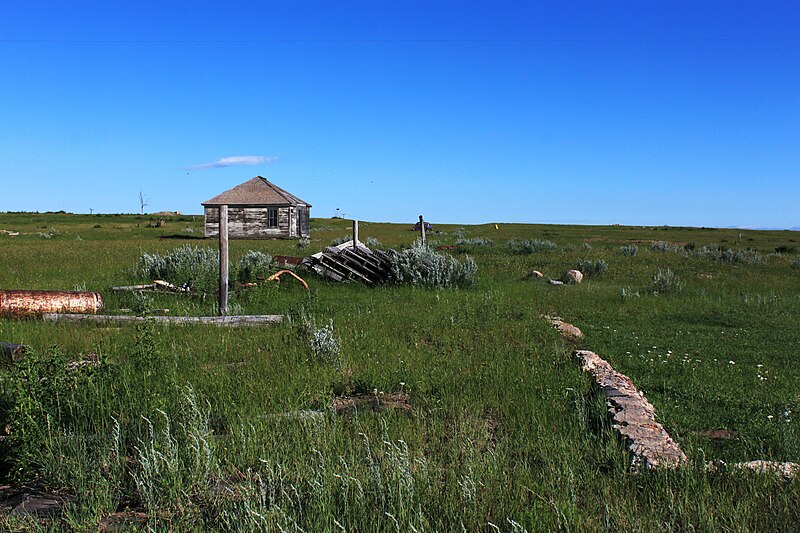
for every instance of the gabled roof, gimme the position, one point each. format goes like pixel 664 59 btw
pixel 257 191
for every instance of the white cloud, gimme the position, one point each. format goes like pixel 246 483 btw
pixel 235 160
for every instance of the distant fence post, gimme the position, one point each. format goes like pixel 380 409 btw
pixel 422 229
pixel 355 234
pixel 223 260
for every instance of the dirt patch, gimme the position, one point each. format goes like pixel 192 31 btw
pixel 380 401
pixel 492 428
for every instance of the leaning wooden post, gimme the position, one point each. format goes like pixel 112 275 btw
pixel 422 229
pixel 223 260
pixel 355 234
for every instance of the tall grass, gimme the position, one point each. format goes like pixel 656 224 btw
pixel 204 428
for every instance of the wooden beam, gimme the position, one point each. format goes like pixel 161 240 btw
pixel 223 260
pixel 422 229
pixel 231 321
pixel 134 287
pixel 355 234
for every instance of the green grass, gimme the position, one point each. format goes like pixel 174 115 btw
pixel 505 431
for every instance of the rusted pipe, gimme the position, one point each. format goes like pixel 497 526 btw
pixel 36 303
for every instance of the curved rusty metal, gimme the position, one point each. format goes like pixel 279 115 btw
pixel 35 303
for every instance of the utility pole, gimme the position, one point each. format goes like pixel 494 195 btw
pixel 223 260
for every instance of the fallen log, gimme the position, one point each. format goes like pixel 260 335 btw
pixel 230 321
pixel 12 352
pixel 34 303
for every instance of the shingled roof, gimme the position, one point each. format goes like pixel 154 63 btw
pixel 257 191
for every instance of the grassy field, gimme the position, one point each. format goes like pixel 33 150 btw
pixel 202 428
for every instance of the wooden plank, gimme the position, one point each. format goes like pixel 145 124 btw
pixel 373 259
pixel 134 287
pixel 348 268
pixel 331 263
pixel 223 260
pixel 362 265
pixel 232 321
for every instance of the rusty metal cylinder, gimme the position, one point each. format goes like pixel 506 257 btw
pixel 35 303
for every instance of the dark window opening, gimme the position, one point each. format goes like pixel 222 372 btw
pixel 272 218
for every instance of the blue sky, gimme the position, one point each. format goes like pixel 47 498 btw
pixel 629 112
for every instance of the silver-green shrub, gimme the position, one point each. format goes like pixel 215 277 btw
pixel 729 255
pixel 629 250
pixel 303 242
pixel 664 246
pixel 322 342
pixel 474 241
pixel 422 265
pixel 665 281
pixel 187 266
pixel 372 242
pixel 253 265
pixel 531 246
pixel 592 268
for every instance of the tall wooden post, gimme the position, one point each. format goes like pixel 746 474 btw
pixel 223 260
pixel 422 229
pixel 355 234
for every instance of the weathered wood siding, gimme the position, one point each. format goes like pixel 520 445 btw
pixel 293 222
pixel 303 221
pixel 249 223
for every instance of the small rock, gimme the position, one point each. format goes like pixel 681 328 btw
pixel 572 276
pixel 568 330
pixel 556 282
pixel 38 505
pixel 535 274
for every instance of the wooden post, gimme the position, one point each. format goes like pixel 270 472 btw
pixel 355 234
pixel 422 229
pixel 223 260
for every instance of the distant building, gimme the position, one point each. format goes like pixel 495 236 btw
pixel 259 209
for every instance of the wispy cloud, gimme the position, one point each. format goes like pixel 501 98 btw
pixel 235 160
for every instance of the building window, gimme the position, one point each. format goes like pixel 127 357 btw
pixel 272 218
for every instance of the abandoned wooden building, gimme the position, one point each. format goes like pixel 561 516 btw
pixel 259 209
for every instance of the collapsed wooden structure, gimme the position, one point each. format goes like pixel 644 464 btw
pixel 349 261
